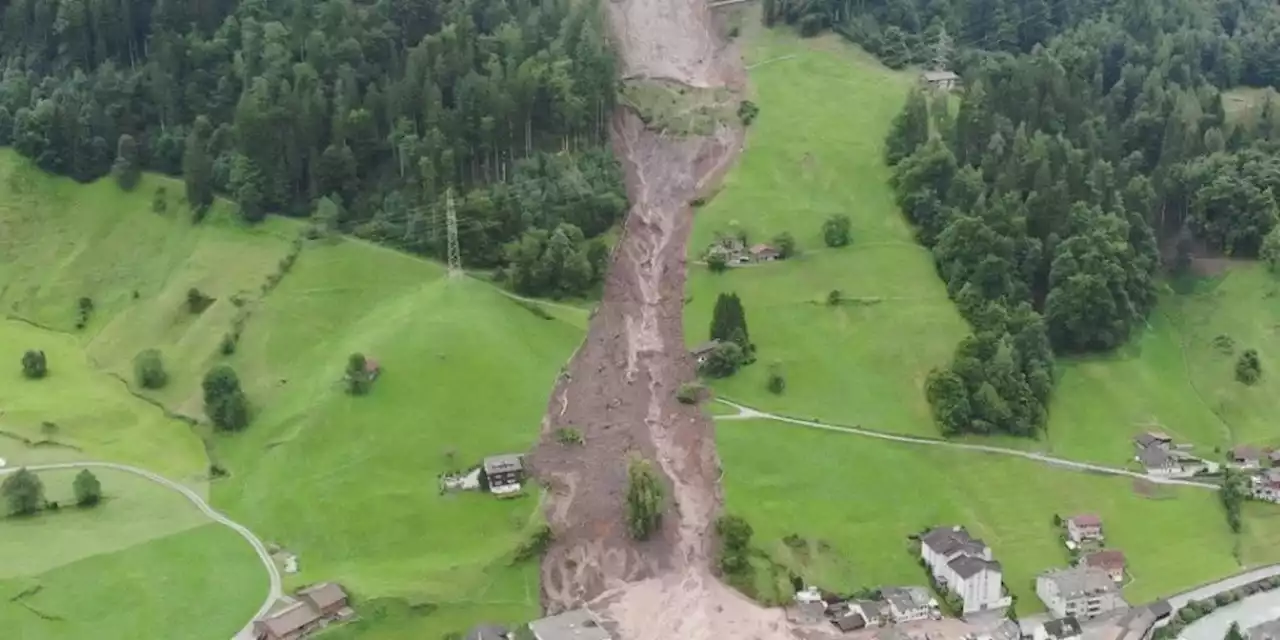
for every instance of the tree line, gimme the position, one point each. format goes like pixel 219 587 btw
pixel 1042 196
pixel 386 108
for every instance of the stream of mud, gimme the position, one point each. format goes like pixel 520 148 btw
pixel 619 389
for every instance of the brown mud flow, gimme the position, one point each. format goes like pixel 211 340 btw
pixel 619 391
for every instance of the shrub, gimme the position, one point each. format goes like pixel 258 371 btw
pixel 786 245
pixel 717 262
pixel 160 201
pixel 84 309
pixel 689 393
pixel 1248 367
pixel 836 230
pixel 568 436
pixel 87 489
pixel 197 301
pixel 777 383
pixel 148 369
pixel 535 545
pixel 833 298
pixel 229 343
pixel 645 497
pixel 724 360
pixel 747 111
pixel 735 542
pixel 34 365
pixel 358 379
pixel 23 491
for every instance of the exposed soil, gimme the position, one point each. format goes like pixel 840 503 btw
pixel 619 390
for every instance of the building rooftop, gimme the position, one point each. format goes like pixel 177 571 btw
pixel 947 541
pixel 1086 520
pixel 290 619
pixel 503 463
pixel 577 624
pixel 1246 453
pixel 1149 438
pixel 1107 559
pixel 1082 580
pixel 968 566
pixel 323 595
pixel 487 632
pixel 705 348
pixel 938 76
pixel 1266 631
pixel 1153 457
pixel 1063 628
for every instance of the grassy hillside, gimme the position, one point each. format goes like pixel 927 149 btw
pixel 864 497
pixel 198 585
pixel 349 484
pixel 810 155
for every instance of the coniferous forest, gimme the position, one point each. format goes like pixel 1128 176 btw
pixel 1089 136
pixel 383 107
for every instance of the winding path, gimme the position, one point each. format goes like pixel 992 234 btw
pixel 275 591
pixel 745 413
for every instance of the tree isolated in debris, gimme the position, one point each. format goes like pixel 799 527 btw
pixel 358 379
pixel 1248 367
pixel 735 543
pixel 34 364
pixel 645 497
pixel 87 489
pixel 148 369
pixel 23 491
pixel 224 401
pixel 836 230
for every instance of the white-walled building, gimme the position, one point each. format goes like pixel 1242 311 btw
pixel 1081 592
pixel 963 565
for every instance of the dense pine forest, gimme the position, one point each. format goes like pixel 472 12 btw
pixel 1089 136
pixel 382 108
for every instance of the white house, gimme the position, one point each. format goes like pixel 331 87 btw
pixel 1086 526
pixel 907 604
pixel 963 565
pixel 1081 592
pixel 1266 486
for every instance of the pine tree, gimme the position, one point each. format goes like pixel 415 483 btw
pixel 910 128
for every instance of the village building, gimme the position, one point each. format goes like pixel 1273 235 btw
pixel 907 604
pixel 1006 629
pixel 1084 527
pixel 1082 592
pixel 963 565
pixel 577 624
pixel 703 351
pixel 1137 623
pixel 764 253
pixel 1245 457
pixel 1149 439
pixel 849 621
pixel 1110 560
pixel 1266 486
pixel 1269 630
pixel 943 80
pixel 872 612
pixel 1273 457
pixel 315 607
pixel 1171 463
pixel 1067 628
pixel 504 473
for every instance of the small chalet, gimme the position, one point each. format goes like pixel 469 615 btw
pixel 944 80
pixel 764 253
pixel 1109 560
pixel 315 607
pixel 1084 527
pixel 1246 457
pixel 504 473
pixel 702 351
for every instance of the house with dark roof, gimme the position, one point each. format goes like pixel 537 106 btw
pixel 314 608
pixel 1110 560
pixel 1082 592
pixel 964 566
pixel 1266 485
pixel 1245 457
pixel 1148 439
pixel 504 473
pixel 577 624
pixel 849 621
pixel 1067 628
pixel 942 80
pixel 764 253
pixel 874 613
pixel 907 604
pixel 1084 527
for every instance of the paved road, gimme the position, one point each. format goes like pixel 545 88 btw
pixel 273 573
pixel 745 412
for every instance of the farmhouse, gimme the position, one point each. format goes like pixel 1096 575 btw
pixel 1245 457
pixel 1111 560
pixel 504 473
pixel 1067 628
pixel 764 253
pixel 315 607
pixel 1083 592
pixel 945 80
pixel 1083 527
pixel 1267 485
pixel 702 351
pixel 1171 463
pixel 577 624
pixel 907 604
pixel 963 565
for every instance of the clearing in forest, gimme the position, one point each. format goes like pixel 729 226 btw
pixel 349 484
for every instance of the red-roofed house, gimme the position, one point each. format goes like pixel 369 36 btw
pixel 1109 560
pixel 1086 526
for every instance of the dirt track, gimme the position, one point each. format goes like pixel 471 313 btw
pixel 619 390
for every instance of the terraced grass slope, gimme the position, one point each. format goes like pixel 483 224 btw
pixel 863 497
pixel 349 484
